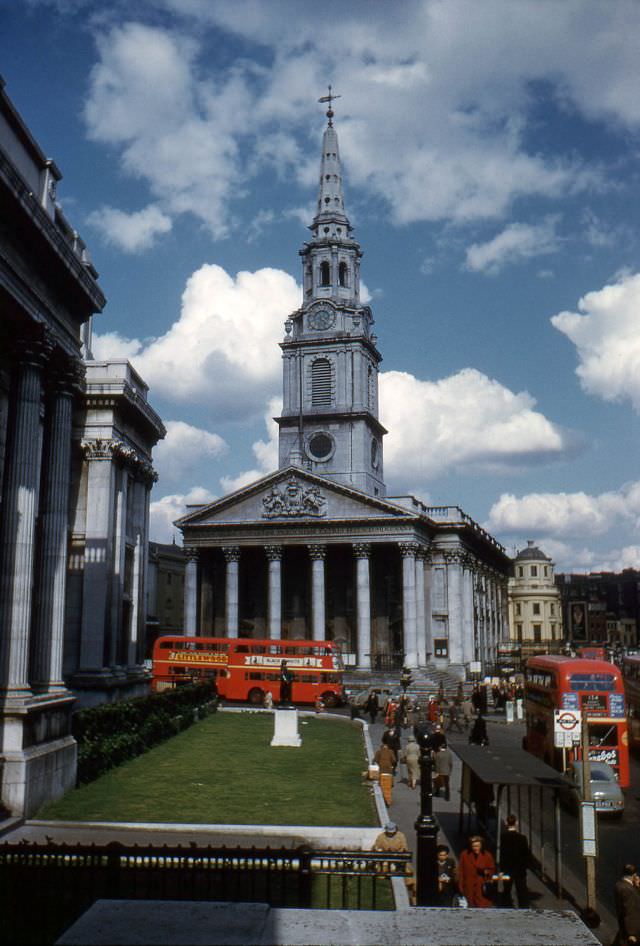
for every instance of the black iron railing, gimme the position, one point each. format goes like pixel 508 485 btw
pixel 44 888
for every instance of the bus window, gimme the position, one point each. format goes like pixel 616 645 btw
pixel 242 649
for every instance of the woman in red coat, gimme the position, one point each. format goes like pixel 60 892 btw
pixel 475 867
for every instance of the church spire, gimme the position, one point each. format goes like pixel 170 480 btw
pixel 330 208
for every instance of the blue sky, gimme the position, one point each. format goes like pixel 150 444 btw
pixel 491 159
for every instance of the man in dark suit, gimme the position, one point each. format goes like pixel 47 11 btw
pixel 514 860
pixel 627 896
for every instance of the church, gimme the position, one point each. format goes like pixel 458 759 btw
pixel 318 549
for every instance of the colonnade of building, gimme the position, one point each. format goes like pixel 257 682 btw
pixel 35 493
pixel 453 608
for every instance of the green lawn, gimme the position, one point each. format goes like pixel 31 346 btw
pixel 223 771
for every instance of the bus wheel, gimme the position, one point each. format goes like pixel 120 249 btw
pixel 329 699
pixel 256 696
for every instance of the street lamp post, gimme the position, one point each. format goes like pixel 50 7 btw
pixel 427 835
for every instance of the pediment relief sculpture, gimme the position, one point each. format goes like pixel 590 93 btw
pixel 294 499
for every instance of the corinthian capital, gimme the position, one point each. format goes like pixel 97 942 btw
pixel 35 349
pixel 273 553
pixel 100 449
pixel 231 553
pixel 362 550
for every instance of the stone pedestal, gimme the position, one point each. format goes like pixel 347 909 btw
pixel 286 728
pixel 39 754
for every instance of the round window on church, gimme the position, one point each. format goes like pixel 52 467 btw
pixel 320 446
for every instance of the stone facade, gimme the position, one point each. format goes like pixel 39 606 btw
pixel 165 591
pixel 601 607
pixel 50 446
pixel 535 608
pixel 105 644
pixel 315 550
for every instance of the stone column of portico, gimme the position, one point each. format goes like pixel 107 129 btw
pixel 408 550
pixel 21 488
pixel 317 553
pixel 191 591
pixel 232 558
pixel 421 625
pixel 362 553
pixel 454 606
pixel 274 557
pixel 51 582
pixel 428 605
pixel 468 642
pixel 100 456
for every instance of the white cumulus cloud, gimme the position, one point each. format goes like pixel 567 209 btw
pixel 164 511
pixel 183 448
pixel 465 420
pixel 265 452
pixel 517 242
pixel 606 333
pixel 565 515
pixel 131 232
pixel 223 349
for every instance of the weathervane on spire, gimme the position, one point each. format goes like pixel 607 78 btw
pixel 329 98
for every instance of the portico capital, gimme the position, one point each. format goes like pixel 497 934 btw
pixel 408 549
pixel 362 550
pixel 231 553
pixel 317 553
pixel 273 553
pixel 191 553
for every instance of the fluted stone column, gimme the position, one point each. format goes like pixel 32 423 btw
pixel 454 606
pixel 468 648
pixel 191 591
pixel 232 558
pixel 317 553
pixel 362 553
pixel 97 599
pixel 408 551
pixel 121 481
pixel 17 550
pixel 421 626
pixel 274 557
pixel 50 591
pixel 428 607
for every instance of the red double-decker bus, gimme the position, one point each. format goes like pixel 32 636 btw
pixel 595 688
pixel 631 680
pixel 247 669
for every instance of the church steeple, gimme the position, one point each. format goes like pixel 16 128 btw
pixel 330 421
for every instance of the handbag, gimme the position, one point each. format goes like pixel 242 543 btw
pixel 489 889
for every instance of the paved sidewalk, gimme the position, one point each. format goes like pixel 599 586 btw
pixel 405 808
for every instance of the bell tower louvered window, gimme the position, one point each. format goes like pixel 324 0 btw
pixel 321 377
pixel 325 274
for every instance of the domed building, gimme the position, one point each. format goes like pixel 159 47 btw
pixel 535 609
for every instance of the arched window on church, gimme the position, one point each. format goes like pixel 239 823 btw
pixel 325 274
pixel 321 378
pixel 343 274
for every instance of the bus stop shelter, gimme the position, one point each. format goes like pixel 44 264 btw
pixel 498 781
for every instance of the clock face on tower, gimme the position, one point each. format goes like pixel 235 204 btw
pixel 321 319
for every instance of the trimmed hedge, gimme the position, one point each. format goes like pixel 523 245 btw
pixel 112 733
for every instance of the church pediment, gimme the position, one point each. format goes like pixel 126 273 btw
pixel 288 496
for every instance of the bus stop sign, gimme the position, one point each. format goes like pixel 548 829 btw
pixel 566 727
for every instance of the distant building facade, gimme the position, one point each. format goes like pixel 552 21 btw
pixel 69 429
pixel 317 549
pixel 535 610
pixel 601 607
pixel 165 591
